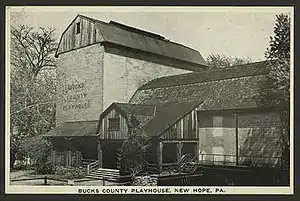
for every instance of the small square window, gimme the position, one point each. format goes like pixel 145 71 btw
pixel 78 28
pixel 114 124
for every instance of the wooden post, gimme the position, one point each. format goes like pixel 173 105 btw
pixel 99 151
pixel 197 151
pixel 179 151
pixel 103 181
pixel 236 139
pixel 159 156
pixel 196 125
pixel 65 157
pixel 45 180
pixel 69 157
pixel 53 157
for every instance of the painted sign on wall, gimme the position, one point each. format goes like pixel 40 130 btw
pixel 76 96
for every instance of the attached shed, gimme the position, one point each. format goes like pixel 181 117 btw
pixel 73 142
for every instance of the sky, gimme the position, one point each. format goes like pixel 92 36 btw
pixel 235 32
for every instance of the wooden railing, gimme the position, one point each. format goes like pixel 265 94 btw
pixel 230 160
pixel 66 182
pixel 92 166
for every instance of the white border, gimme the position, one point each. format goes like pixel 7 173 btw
pixel 74 190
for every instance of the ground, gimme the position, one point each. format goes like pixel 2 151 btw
pixel 27 174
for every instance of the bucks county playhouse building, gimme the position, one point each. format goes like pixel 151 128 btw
pixel 109 72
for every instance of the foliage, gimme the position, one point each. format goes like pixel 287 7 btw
pixel 132 151
pixel 144 181
pixel 38 149
pixel 70 172
pixel 222 61
pixel 32 84
pixel 275 91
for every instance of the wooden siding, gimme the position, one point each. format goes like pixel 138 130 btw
pixel 105 133
pixel 88 35
pixel 184 129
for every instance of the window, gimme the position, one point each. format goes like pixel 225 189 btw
pixel 218 126
pixel 78 28
pixel 114 124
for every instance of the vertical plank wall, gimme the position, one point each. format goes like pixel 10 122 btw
pixel 105 133
pixel 184 129
pixel 87 36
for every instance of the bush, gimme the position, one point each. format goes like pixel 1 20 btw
pixel 132 152
pixel 144 181
pixel 70 172
pixel 39 150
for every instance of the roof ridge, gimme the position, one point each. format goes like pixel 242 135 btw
pixel 80 121
pixel 136 30
pixel 253 65
pixel 92 19
pixel 133 104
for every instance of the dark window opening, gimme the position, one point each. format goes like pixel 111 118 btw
pixel 77 27
pixel 114 124
pixel 170 153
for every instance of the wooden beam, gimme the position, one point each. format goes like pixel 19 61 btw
pixel 182 141
pixel 179 151
pixel 197 148
pixel 99 152
pixel 181 129
pixel 159 156
pixel 196 126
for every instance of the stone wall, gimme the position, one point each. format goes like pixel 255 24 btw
pixel 80 91
pixel 91 79
pixel 124 75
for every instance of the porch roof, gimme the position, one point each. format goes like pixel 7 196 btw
pixel 167 115
pixel 77 128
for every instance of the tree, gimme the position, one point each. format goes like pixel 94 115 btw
pixel 39 150
pixel 132 152
pixel 275 91
pixel 32 84
pixel 222 61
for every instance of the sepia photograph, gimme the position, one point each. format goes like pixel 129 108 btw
pixel 149 100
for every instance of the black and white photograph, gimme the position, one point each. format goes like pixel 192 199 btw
pixel 149 100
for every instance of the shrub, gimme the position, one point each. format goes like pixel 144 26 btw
pixel 70 172
pixel 144 181
pixel 39 150
pixel 132 152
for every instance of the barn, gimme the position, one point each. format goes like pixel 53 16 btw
pixel 110 72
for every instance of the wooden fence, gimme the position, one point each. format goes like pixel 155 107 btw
pixel 45 181
pixel 66 158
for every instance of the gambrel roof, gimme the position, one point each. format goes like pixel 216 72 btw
pixel 139 40
pixel 219 89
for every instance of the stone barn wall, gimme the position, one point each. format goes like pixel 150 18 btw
pixel 80 91
pixel 123 75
